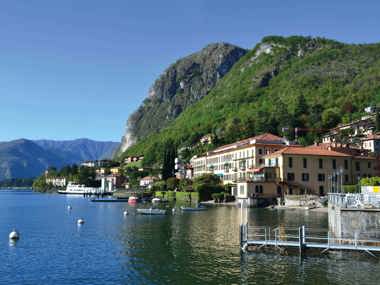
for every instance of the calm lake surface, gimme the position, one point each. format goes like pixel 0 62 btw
pixel 189 248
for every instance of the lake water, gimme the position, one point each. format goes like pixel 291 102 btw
pixel 188 248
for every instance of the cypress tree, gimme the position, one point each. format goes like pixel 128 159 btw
pixel 168 160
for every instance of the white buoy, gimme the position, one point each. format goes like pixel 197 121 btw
pixel 125 213
pixel 14 235
pixel 80 221
pixel 69 207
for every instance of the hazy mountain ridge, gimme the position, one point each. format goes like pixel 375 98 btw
pixel 25 158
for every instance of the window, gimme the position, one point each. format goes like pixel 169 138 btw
pixel 346 178
pixel 260 151
pixel 321 177
pixel 357 166
pixel 320 162
pixel 369 164
pixel 259 189
pixel 305 176
pixel 290 191
pixel 290 176
pixel 334 163
pixel 242 190
pixel 261 161
pixel 304 161
pixel 290 162
pixel 279 191
pixel 345 164
pixel 321 190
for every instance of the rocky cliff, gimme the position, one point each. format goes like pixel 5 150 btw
pixel 181 85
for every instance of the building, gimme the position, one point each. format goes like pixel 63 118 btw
pixel 56 181
pixel 97 163
pixel 234 161
pixel 147 181
pixel 362 127
pixel 313 170
pixel 131 159
pixel 372 143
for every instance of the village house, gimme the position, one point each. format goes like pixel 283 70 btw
pixel 56 181
pixel 147 181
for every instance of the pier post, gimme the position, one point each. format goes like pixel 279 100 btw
pixel 301 237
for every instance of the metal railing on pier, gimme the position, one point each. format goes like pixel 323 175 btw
pixel 302 238
pixel 354 200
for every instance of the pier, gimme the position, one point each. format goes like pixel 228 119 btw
pixel 303 239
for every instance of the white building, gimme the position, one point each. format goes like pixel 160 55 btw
pixel 56 181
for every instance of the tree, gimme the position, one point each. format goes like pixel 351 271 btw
pixel 206 185
pixel 377 121
pixel 168 160
pixel 172 183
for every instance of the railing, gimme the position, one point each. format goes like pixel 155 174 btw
pixel 304 237
pixel 354 200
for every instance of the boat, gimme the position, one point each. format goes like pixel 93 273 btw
pixel 193 209
pixel 110 200
pixel 132 200
pixel 79 189
pixel 151 211
pixel 156 200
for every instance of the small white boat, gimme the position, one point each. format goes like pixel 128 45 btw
pixel 132 200
pixel 151 211
pixel 156 200
pixel 191 209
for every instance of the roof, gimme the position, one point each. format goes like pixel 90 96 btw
pixel 262 138
pixel 309 150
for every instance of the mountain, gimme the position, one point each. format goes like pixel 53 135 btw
pixel 181 85
pixel 26 158
pixel 283 82
pixel 23 159
pixel 80 149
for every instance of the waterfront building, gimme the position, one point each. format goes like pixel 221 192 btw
pixel 313 170
pixel 233 162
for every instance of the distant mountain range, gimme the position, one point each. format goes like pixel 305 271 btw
pixel 26 158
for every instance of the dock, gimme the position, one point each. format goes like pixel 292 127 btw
pixel 303 239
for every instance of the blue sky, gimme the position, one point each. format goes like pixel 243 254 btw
pixel 78 68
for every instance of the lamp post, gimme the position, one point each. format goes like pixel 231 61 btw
pixel 341 180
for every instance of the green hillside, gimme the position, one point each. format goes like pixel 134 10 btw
pixel 310 83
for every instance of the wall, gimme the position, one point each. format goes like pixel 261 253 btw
pixel 346 222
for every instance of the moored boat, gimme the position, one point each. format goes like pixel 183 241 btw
pixel 132 200
pixel 156 200
pixel 193 209
pixel 151 211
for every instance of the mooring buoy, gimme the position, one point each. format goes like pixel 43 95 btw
pixel 14 235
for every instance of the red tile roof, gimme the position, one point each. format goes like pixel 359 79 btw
pixel 309 150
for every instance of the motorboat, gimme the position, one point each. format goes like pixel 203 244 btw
pixel 151 211
pixel 193 209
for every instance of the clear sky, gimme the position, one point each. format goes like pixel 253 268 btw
pixel 78 68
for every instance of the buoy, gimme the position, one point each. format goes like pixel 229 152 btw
pixel 69 207
pixel 80 222
pixel 14 235
pixel 125 213
pixel 173 210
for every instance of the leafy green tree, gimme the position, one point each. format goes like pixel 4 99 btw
pixel 206 185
